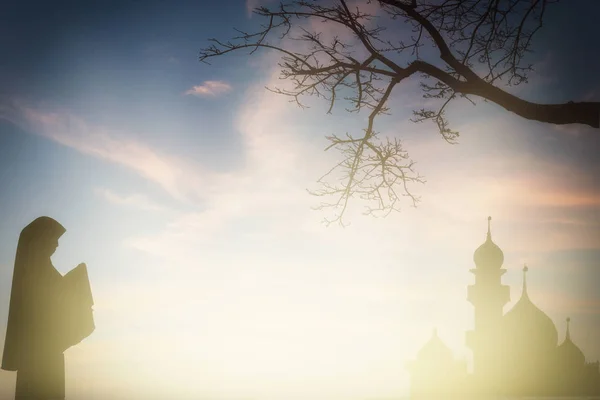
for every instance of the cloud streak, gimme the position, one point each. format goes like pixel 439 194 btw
pixel 137 201
pixel 170 172
pixel 209 88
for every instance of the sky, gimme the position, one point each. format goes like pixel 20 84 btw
pixel 182 186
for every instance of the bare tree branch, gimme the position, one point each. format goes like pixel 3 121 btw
pixel 482 46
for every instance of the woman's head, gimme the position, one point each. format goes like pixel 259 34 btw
pixel 41 236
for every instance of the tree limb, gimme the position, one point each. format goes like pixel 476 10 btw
pixel 481 46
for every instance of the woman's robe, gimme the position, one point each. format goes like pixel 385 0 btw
pixel 45 308
pixel 41 365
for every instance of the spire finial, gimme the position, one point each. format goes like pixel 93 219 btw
pixel 525 269
pixel 435 333
pixel 568 330
pixel 489 232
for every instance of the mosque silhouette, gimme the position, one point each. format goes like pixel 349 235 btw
pixel 515 354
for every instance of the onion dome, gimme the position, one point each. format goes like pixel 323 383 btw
pixel 525 324
pixel 488 255
pixel 568 352
pixel 435 350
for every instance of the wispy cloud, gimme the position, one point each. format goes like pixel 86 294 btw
pixel 137 201
pixel 170 172
pixel 209 88
pixel 269 187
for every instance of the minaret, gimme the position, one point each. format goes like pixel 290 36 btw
pixel 488 296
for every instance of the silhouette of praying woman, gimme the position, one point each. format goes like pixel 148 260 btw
pixel 48 314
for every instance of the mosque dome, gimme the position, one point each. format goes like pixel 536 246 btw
pixel 435 350
pixel 526 325
pixel 568 353
pixel 488 255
